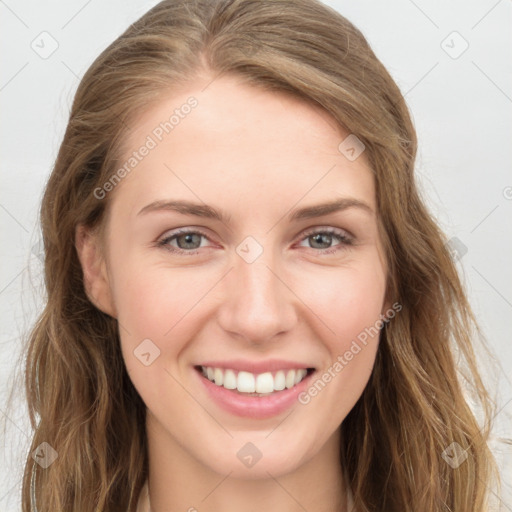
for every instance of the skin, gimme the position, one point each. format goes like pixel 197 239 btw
pixel 257 156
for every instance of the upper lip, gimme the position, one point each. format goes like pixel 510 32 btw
pixel 256 367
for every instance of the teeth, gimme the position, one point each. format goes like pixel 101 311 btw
pixel 290 379
pixel 279 381
pixel 229 379
pixel 246 382
pixel 264 383
pixel 218 376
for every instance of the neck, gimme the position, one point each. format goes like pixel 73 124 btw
pixel 179 481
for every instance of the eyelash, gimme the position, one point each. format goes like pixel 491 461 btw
pixel 341 235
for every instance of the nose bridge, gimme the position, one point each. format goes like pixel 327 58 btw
pixel 256 305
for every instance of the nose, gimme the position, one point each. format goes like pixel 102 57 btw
pixel 257 305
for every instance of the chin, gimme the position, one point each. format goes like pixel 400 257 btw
pixel 255 458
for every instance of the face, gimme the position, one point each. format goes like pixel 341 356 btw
pixel 242 248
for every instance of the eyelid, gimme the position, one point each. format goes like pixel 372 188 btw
pixel 173 234
pixel 345 237
pixel 327 229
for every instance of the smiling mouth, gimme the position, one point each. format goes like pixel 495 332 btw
pixel 252 384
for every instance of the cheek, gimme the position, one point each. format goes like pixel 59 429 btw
pixel 155 308
pixel 154 303
pixel 151 297
pixel 348 300
pixel 349 304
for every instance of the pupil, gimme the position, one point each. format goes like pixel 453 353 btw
pixel 317 239
pixel 191 241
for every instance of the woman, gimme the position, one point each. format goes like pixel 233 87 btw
pixel 249 306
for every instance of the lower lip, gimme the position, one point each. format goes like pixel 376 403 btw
pixel 253 406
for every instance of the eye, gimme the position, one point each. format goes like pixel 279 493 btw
pixel 184 241
pixel 327 240
pixel 323 240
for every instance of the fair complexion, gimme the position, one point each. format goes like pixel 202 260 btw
pixel 257 158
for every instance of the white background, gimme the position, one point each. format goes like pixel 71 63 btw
pixel 461 108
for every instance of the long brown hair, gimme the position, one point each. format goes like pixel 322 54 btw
pixel 80 398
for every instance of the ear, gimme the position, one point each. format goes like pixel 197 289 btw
pixel 94 267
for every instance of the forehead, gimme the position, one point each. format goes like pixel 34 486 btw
pixel 228 142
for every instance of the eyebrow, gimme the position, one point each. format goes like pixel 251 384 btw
pixel 186 208
pixel 337 205
pixel 203 210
